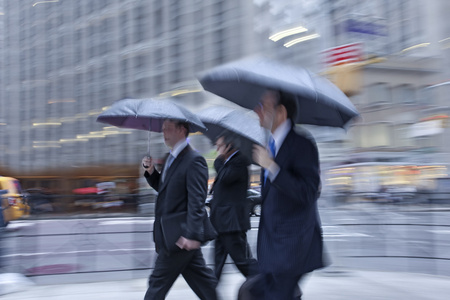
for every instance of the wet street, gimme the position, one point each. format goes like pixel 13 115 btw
pixel 379 237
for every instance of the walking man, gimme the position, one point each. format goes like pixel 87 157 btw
pixel 181 187
pixel 290 236
pixel 230 213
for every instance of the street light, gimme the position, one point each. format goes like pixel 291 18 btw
pixel 282 34
pixel 302 39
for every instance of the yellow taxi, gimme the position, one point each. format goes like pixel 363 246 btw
pixel 14 204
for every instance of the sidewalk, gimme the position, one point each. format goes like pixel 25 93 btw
pixel 326 284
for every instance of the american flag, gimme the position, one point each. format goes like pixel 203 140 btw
pixel 349 53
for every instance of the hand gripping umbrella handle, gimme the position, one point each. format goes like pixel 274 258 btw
pixel 148 149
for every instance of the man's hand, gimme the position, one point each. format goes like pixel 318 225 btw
pixel 224 151
pixel 184 243
pixel 262 157
pixel 147 164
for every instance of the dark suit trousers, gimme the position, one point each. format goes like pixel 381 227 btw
pixel 234 244
pixel 191 265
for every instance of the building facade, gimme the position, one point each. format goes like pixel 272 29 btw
pixel 63 62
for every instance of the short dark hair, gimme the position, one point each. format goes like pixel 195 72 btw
pixel 230 138
pixel 179 123
pixel 289 101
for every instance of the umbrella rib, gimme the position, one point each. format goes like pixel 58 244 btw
pixel 315 88
pixel 237 74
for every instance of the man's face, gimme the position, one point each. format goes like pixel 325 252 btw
pixel 220 146
pixel 266 110
pixel 172 132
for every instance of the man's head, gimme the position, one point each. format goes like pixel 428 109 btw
pixel 174 131
pixel 227 143
pixel 274 108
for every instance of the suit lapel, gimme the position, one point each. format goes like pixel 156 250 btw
pixel 283 153
pixel 173 167
pixel 280 158
pixel 225 165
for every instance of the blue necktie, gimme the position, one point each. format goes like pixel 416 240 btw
pixel 169 161
pixel 272 149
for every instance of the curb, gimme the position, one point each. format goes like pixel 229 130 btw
pixel 13 282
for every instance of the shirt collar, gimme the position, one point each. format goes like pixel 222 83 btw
pixel 280 134
pixel 231 156
pixel 178 148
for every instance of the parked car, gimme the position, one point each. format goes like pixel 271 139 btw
pixel 253 198
pixel 13 203
pixel 40 200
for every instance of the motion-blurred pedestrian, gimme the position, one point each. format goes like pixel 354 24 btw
pixel 230 213
pixel 182 188
pixel 290 236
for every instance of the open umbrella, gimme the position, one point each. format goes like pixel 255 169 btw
pixel 243 82
pixel 244 123
pixel 148 114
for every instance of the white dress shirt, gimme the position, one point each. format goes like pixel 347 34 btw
pixel 279 135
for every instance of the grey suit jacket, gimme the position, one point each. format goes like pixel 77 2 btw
pixel 183 190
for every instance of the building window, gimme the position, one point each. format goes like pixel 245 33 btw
pixel 402 135
pixel 373 135
pixel 124 29
pixel 404 93
pixel 91 51
pixel 140 27
pixel 379 93
pixel 78 10
pixel 157 22
pixel 141 86
pixel 427 95
pixel 409 94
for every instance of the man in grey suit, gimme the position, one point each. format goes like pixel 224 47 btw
pixel 182 188
pixel 290 236
pixel 230 213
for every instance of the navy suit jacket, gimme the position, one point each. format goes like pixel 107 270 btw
pixel 290 234
pixel 183 190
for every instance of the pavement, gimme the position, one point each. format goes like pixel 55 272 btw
pixel 333 284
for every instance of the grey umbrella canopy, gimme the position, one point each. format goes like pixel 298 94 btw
pixel 243 82
pixel 148 114
pixel 243 123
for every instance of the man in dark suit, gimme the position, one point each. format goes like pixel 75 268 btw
pixel 230 213
pixel 290 234
pixel 181 187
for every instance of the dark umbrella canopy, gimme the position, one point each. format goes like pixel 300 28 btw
pixel 148 114
pixel 243 123
pixel 319 102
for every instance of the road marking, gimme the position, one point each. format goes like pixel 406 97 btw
pixel 17 225
pixel 440 231
pixel 123 222
pixel 328 232
pixel 76 252
pixel 87 251
pixel 350 234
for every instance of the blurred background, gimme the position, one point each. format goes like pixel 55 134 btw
pixel 63 62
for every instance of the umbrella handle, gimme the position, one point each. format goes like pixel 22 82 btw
pixel 148 149
pixel 148 144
